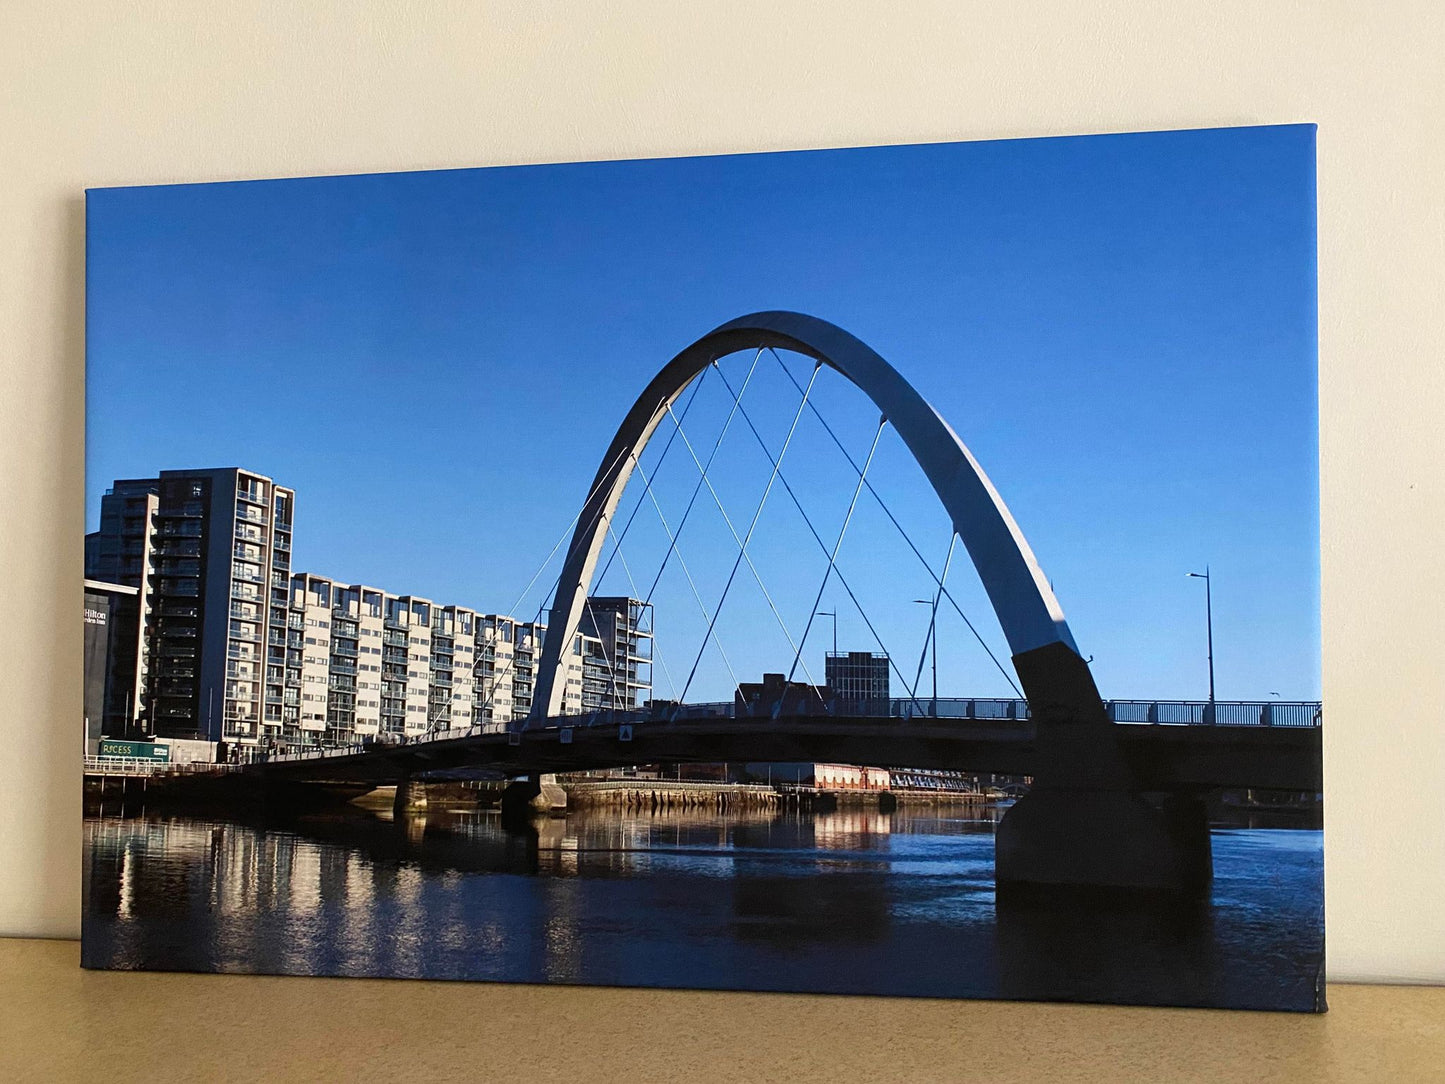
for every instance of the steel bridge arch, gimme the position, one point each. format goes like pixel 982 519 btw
pixel 1054 677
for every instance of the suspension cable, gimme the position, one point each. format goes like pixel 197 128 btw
pixel 633 584
pixel 596 514
pixel 497 677
pixel 777 466
pixel 606 654
pixel 933 625
pixel 737 399
pixel 837 545
pixel 903 679
pixel 657 466
pixel 565 533
pixel 893 519
pixel 674 536
pixel 787 634
pixel 696 594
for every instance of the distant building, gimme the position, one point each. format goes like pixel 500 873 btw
pixel 222 642
pixel 362 662
pixel 111 646
pixel 775 694
pixel 618 672
pixel 858 677
pixel 823 776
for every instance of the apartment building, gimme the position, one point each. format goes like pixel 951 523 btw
pixel 209 553
pixel 617 668
pixel 122 552
pixel 230 645
pixel 362 662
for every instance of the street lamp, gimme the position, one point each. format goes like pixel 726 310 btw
pixel 834 615
pixel 1209 628
pixel 932 603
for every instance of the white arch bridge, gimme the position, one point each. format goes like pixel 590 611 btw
pixel 1116 797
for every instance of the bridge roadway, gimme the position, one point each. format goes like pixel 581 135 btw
pixel 1168 757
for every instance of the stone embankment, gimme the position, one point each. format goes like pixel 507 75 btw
pixel 660 795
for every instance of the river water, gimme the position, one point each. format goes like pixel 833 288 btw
pixel 838 902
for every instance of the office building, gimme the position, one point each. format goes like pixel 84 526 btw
pixel 111 652
pixel 857 677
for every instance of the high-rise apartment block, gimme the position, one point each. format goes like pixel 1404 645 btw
pixel 233 646
pixel 617 672
pixel 209 551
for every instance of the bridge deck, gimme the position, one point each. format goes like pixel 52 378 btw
pixel 1162 756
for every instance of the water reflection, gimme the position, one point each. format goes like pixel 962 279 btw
pixel 846 901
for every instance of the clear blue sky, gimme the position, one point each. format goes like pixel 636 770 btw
pixel 1122 329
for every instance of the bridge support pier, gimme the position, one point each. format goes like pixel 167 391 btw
pixel 534 794
pixel 410 797
pixel 1061 838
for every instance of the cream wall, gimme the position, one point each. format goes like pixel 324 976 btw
pixel 104 93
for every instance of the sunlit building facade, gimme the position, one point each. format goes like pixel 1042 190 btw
pixel 230 645
pixel 209 552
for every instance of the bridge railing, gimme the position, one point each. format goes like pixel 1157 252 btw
pixel 980 709
pixel 1220 713
pixel 975 709
pixel 123 766
pixel 149 766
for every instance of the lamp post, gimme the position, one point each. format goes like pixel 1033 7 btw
pixel 834 615
pixel 932 604
pixel 1209 630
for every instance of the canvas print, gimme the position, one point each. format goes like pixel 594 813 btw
pixel 783 572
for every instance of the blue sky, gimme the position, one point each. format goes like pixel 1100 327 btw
pixel 1121 328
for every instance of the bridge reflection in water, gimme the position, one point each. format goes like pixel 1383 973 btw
pixel 852 901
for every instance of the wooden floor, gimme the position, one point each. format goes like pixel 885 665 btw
pixel 58 1022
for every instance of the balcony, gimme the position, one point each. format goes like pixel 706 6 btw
pixel 344 649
